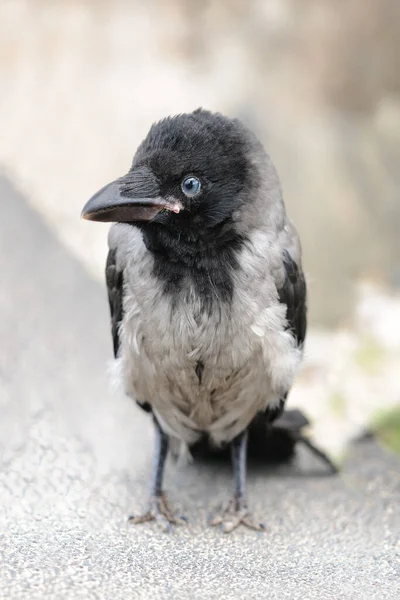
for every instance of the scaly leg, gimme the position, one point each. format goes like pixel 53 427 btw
pixel 236 512
pixel 158 509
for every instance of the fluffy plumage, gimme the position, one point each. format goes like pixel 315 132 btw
pixel 208 303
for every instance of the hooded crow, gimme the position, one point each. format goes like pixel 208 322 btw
pixel 206 291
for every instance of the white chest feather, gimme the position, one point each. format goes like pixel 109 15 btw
pixel 205 371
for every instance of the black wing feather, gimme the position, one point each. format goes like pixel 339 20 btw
pixel 293 293
pixel 115 288
pixel 115 282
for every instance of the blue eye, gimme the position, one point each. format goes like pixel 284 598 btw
pixel 191 186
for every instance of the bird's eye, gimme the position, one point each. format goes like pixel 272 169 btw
pixel 191 186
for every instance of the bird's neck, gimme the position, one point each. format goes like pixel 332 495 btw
pixel 206 258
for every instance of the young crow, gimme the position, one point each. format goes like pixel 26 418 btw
pixel 206 290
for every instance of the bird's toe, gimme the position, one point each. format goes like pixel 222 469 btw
pixel 235 513
pixel 160 512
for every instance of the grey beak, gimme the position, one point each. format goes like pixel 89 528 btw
pixel 123 201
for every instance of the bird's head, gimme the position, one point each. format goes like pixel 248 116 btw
pixel 193 173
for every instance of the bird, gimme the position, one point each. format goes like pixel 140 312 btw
pixel 207 294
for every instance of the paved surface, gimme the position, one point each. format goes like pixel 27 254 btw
pixel 76 460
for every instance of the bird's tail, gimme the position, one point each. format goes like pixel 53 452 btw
pixel 270 443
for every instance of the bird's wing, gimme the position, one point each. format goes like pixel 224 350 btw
pixel 291 288
pixel 119 241
pixel 114 280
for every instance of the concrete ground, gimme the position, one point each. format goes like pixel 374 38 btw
pixel 76 459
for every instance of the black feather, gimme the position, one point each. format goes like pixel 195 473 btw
pixel 293 294
pixel 201 243
pixel 268 443
pixel 207 261
pixel 115 282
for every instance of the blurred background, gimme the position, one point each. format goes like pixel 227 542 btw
pixel 319 80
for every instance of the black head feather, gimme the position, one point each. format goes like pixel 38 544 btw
pixel 209 146
pixel 202 240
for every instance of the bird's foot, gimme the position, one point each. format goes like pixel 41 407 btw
pixel 160 512
pixel 233 514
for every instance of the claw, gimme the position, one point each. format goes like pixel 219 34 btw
pixel 233 514
pixel 160 512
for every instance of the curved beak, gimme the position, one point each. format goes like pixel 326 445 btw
pixel 128 200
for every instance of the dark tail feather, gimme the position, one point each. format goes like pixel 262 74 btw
pixel 301 439
pixel 270 443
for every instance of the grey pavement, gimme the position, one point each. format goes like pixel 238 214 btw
pixel 76 458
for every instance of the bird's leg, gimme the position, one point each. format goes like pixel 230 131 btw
pixel 236 512
pixel 158 509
